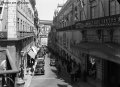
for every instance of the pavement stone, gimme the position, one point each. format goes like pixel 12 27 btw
pixel 28 77
pixel 79 83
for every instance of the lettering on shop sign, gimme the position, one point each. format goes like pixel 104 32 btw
pixel 104 21
pixel 3 35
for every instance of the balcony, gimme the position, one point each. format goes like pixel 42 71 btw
pixel 23 34
pixel 102 22
pixel 72 27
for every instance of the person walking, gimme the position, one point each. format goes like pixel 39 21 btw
pixel 32 70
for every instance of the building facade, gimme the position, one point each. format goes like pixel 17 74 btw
pixel 17 38
pixel 87 31
pixel 44 29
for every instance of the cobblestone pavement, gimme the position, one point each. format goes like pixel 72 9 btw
pixel 52 79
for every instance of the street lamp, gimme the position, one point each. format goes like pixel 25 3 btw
pixel 21 66
pixel 20 82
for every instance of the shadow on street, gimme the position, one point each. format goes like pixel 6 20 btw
pixel 59 85
pixel 64 77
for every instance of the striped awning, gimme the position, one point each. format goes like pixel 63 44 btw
pixel 35 49
pixel 32 54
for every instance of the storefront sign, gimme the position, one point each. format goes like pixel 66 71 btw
pixel 3 35
pixel 98 22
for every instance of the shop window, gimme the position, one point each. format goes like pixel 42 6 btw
pixel 91 67
pixel 84 35
pixel 111 31
pixel 99 34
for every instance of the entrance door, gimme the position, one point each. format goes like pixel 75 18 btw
pixel 113 74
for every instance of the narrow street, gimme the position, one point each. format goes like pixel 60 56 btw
pixel 50 79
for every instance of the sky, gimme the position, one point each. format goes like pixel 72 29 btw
pixel 46 8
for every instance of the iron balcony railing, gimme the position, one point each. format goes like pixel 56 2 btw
pixel 102 22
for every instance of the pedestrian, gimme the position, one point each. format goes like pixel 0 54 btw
pixel 27 70
pixel 32 70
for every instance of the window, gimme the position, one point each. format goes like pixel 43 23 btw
pixel 22 4
pixel 25 26
pixel 112 7
pixel 93 12
pixel 91 1
pixel 93 9
pixel 21 26
pixel 80 15
pixel 18 24
pixel 0 10
pixel 91 67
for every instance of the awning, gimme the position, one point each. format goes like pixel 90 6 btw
pixel 12 64
pixel 32 54
pixel 35 49
pixel 106 51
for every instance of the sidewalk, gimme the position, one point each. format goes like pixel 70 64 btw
pixel 28 77
pixel 27 80
pixel 66 76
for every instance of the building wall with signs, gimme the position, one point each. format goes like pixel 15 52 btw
pixel 98 23
pixel 20 19
pixel 18 35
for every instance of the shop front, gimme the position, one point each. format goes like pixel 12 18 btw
pixel 31 56
pixel 102 63
pixel 28 55
pixel 94 70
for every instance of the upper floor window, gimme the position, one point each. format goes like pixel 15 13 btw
pixel 21 25
pixel 112 7
pixel 93 12
pixel 91 0
pixel 93 9
pixel 18 24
